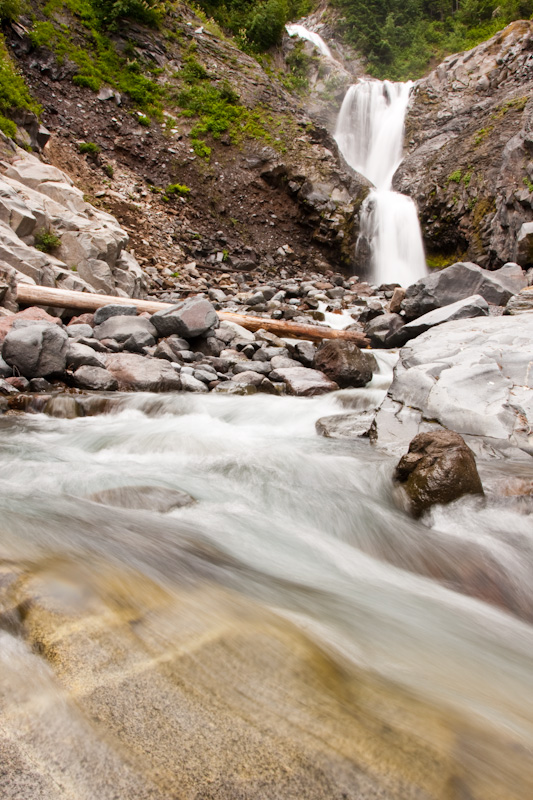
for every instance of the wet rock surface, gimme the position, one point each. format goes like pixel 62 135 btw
pixel 438 469
pixel 344 363
pixel 470 376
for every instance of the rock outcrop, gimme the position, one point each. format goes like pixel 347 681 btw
pixel 49 235
pixel 469 143
pixel 471 376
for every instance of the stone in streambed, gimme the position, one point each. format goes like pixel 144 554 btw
pixel 121 328
pixel 113 310
pixel 385 330
pixel 520 303
pixel 145 498
pixel 189 318
pixel 142 374
pixel 94 379
pixel 439 468
pixel 344 363
pixel 304 382
pixel 37 350
pixel 82 355
pixel 191 384
pixel 345 426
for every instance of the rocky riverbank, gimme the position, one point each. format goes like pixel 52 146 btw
pixel 477 345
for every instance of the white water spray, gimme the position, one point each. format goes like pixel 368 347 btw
pixel 310 36
pixel 370 136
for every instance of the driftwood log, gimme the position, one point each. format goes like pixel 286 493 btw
pixel 28 294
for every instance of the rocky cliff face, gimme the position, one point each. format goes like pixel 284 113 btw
pixel 469 152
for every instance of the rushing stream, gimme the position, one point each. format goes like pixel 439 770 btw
pixel 288 521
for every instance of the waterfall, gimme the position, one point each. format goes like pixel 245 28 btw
pixel 369 133
pixel 310 36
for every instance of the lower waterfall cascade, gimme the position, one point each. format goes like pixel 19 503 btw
pixel 369 133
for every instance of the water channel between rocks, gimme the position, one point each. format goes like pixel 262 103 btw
pixel 280 637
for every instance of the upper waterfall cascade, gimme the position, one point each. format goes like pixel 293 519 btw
pixel 310 36
pixel 369 133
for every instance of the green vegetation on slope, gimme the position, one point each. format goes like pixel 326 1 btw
pixel 14 93
pixel 402 38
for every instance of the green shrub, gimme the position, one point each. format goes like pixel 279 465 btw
pixel 108 169
pixel 193 71
pixel 13 91
pixel 89 148
pixel 10 10
pixel 88 81
pixel 8 127
pixel 47 240
pixel 200 148
pixel 142 120
pixel 178 189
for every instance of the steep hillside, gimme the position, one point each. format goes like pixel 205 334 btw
pixel 197 151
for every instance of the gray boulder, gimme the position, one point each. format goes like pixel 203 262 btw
pixel 524 245
pixel 191 384
pixel 344 363
pixel 37 350
pixel 141 374
pixel 385 330
pixel 81 330
pixel 95 378
pixel 520 303
pixel 5 370
pixel 475 306
pixel 120 328
pixel 248 377
pixel 79 355
pixel 113 310
pixel 460 281
pixel 189 318
pixel 304 382
pixel 262 367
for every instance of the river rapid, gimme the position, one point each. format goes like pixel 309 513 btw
pixel 403 684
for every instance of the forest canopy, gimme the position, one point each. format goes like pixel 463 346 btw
pixel 402 38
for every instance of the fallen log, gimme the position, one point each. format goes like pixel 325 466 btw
pixel 28 294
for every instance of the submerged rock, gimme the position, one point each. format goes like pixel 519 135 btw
pixel 147 498
pixel 439 468
pixel 345 426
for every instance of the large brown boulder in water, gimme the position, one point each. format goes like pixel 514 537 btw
pixel 439 468
pixel 344 363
